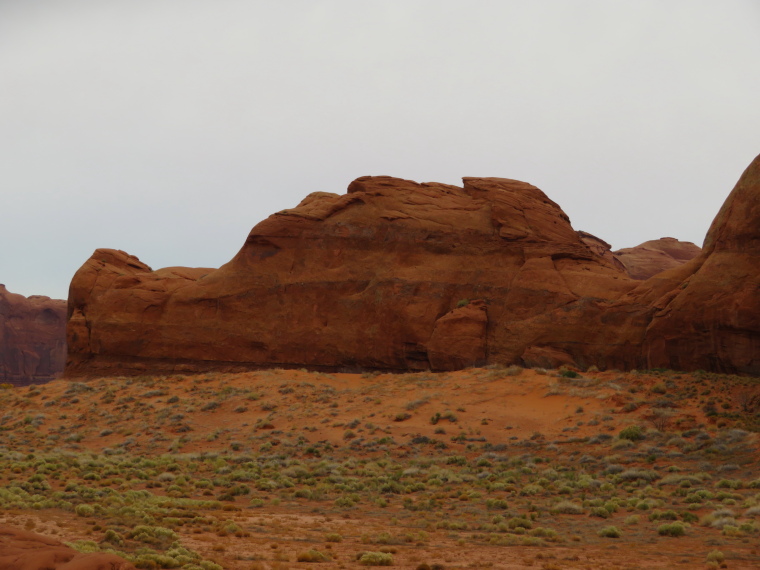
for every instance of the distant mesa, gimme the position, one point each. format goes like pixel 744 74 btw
pixel 645 260
pixel 32 338
pixel 653 257
pixel 396 275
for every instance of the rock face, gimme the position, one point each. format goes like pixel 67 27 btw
pixel 364 280
pixel 711 319
pixel 600 248
pixel 655 256
pixel 32 338
pixel 396 275
pixel 23 550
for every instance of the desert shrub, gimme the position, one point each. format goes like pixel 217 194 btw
pixel 567 373
pixel 376 559
pixel 114 538
pixel 312 556
pixel 497 504
pixel 333 537
pixel 632 433
pixel 729 484
pixel 610 532
pixel 519 522
pixel 543 532
pixel 154 535
pixel 669 515
pixel 722 522
pixel 84 510
pixel 635 474
pixel 672 529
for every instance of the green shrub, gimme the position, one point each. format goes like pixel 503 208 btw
pixel 376 559
pixel 632 433
pixel 313 556
pixel 84 510
pixel 567 373
pixel 672 529
pixel 567 508
pixel 609 532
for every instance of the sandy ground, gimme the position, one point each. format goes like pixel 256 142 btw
pixel 509 413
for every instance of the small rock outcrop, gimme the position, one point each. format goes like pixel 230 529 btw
pixel 655 256
pixel 601 248
pixel 32 338
pixel 24 550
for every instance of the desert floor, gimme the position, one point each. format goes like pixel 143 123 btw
pixel 483 468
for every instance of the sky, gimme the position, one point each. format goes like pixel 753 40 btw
pixel 169 128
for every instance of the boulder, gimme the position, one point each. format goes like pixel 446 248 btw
pixel 32 338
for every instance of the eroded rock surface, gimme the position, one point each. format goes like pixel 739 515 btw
pixel 32 338
pixel 24 550
pixel 381 278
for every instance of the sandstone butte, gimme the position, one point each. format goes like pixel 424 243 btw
pixel 24 550
pixel 396 275
pixel 32 338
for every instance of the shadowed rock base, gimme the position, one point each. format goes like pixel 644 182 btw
pixel 32 338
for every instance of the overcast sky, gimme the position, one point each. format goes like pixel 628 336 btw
pixel 169 128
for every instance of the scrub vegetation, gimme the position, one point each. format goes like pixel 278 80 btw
pixel 256 471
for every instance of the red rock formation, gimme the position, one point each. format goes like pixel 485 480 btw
pixel 23 550
pixel 600 248
pixel 373 279
pixel 32 338
pixel 354 281
pixel 655 256
pixel 711 319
